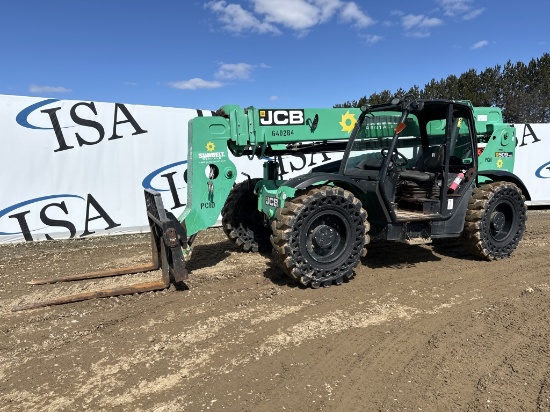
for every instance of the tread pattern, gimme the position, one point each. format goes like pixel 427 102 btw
pixel 288 235
pixel 241 220
pixel 477 236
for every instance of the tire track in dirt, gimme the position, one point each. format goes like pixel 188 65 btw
pixel 109 371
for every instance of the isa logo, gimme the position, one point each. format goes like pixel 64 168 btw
pixel 55 214
pixel 171 178
pixel 543 172
pixel 80 124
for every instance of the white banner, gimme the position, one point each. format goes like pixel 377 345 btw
pixel 73 169
pixel 532 164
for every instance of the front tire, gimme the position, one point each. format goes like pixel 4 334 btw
pixel 495 220
pixel 242 222
pixel 319 237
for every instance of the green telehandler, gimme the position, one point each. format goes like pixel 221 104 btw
pixel 412 170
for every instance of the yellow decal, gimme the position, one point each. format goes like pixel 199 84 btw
pixel 210 146
pixel 499 163
pixel 348 121
pixel 262 113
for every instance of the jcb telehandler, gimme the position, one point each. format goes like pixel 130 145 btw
pixel 411 170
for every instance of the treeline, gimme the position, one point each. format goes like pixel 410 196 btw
pixel 521 90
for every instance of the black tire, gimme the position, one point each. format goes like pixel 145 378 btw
pixel 242 222
pixel 495 220
pixel 319 236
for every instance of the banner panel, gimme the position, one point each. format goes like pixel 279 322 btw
pixel 72 169
pixel 532 164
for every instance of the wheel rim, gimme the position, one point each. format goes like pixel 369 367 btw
pixel 325 237
pixel 502 222
pixel 495 220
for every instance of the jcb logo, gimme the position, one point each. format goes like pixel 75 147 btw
pixel 281 117
pixel 272 201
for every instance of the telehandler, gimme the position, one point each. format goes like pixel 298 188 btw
pixel 412 170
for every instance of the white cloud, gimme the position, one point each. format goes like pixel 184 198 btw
pixel 418 34
pixel 274 98
pixel 233 71
pixel 371 38
pixel 454 7
pixel 327 8
pixel 460 8
pixel 48 89
pixel 351 13
pixel 195 84
pixel 268 16
pixel 235 19
pixel 226 71
pixel 416 21
pixel 418 25
pixel 295 14
pixel 479 44
pixel 472 14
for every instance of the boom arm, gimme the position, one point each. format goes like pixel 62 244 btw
pixel 253 132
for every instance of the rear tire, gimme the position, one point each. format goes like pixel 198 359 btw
pixel 319 236
pixel 242 222
pixel 495 220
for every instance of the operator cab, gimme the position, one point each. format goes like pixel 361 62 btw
pixel 406 156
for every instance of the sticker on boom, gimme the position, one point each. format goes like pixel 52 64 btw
pixel 278 117
pixel 504 154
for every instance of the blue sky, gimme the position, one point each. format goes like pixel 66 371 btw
pixel 268 53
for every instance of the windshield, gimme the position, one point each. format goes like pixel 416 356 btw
pixel 375 136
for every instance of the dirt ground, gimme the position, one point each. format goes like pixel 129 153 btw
pixel 420 328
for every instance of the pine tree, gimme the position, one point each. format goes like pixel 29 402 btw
pixel 521 90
